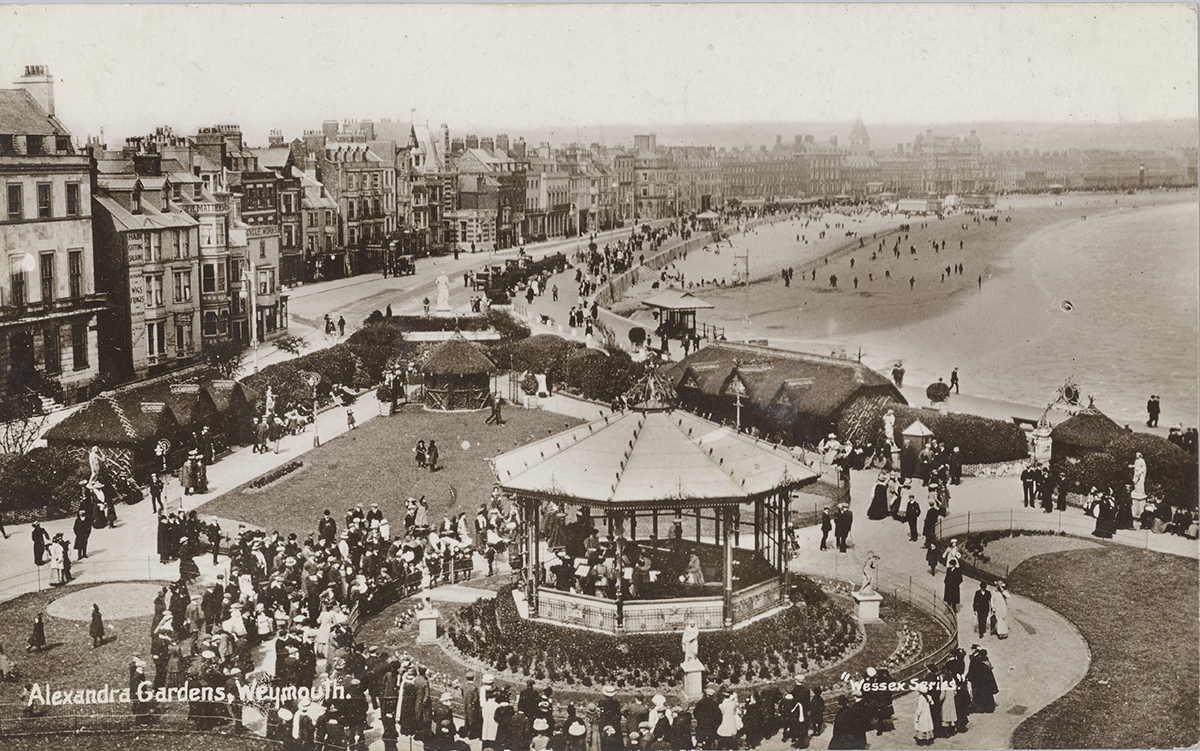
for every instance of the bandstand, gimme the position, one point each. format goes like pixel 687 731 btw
pixel 668 494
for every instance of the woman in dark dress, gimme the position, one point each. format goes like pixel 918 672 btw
pixel 1104 517
pixel 879 505
pixel 37 640
pixel 954 579
pixel 983 683
pixel 96 630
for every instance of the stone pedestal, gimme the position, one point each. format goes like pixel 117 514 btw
pixel 693 680
pixel 1041 444
pixel 868 606
pixel 427 623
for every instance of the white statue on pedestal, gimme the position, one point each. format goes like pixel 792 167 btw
pixel 443 293
pixel 1139 476
pixel 870 572
pixel 889 429
pixel 691 642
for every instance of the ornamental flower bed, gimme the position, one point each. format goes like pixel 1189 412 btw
pixel 806 638
pixel 275 475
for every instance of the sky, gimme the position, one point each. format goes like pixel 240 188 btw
pixel 497 68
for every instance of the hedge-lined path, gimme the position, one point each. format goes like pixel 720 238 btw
pixel 128 551
pixel 1044 657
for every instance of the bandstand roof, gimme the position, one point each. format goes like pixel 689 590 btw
pixel 650 459
pixel 674 299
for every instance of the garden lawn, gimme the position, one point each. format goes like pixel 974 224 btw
pixel 1138 612
pixel 69 662
pixel 374 464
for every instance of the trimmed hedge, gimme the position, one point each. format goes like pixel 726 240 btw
pixel 980 440
pixel 1171 472
pixel 42 477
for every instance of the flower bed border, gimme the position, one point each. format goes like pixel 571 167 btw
pixel 289 470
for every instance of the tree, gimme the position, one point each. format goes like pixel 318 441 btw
pixel 291 344
pixel 937 392
pixel 637 337
pixel 225 356
pixel 21 423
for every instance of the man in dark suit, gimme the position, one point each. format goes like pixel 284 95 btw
pixel 826 526
pixel 841 526
pixel 912 513
pixel 1152 410
pixel 982 607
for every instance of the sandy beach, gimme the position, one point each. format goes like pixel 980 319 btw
pixel 1015 322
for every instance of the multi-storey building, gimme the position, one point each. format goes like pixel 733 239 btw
pixel 147 252
pixel 278 159
pixel 697 178
pixel 319 228
pixel 949 164
pixel 653 185
pixel 826 173
pixel 49 306
pixel 547 195
pixel 764 175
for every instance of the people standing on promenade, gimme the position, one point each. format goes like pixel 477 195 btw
pixel 826 527
pixel 912 513
pixel 1153 408
pixel 1028 485
pixel 983 683
pixel 40 537
pixel 954 577
pixel 982 606
pixel 1000 611
pixel 83 530
pixel 954 380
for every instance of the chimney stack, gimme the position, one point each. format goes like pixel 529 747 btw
pixel 40 85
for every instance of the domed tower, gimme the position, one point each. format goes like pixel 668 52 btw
pixel 860 142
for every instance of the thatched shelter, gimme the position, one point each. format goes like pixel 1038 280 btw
pixel 125 428
pixel 1089 431
pixel 457 376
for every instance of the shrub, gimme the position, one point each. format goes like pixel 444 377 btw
pixel 606 378
pixel 42 477
pixel 637 336
pixel 291 344
pixel 980 440
pixel 506 325
pixel 384 393
pixel 1170 471
pixel 529 384
pixel 225 356
pixel 377 343
pixel 937 392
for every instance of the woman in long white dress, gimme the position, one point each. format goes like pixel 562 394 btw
pixel 56 564
pixel 1000 610
pixel 923 722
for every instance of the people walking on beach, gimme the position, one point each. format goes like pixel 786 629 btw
pixel 898 374
pixel 954 380
pixel 1152 410
pixel 912 280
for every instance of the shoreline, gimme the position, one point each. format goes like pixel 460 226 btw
pixel 958 322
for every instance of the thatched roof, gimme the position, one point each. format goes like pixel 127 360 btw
pixel 1089 428
pixel 808 384
pixel 457 356
pixel 228 395
pixel 191 404
pixel 657 459
pixel 114 418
